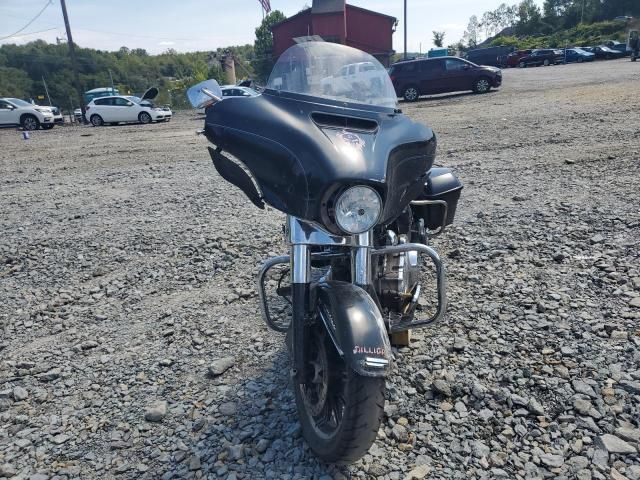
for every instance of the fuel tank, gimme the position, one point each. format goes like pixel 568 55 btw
pixel 303 150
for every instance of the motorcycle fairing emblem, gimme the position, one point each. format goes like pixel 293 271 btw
pixel 352 139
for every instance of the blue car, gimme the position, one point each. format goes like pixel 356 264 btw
pixel 578 55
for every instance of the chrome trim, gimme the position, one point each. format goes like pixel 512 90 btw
pixel 264 307
pixel 361 258
pixel 300 264
pixel 443 204
pixel 440 277
pixel 300 232
pixel 376 362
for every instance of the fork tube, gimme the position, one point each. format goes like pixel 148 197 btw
pixel 300 278
pixel 361 259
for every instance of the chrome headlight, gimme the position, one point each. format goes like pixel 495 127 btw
pixel 358 209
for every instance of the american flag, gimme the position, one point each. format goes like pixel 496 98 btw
pixel 266 5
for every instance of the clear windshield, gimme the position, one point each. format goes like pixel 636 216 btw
pixel 333 71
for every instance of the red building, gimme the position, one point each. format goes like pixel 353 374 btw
pixel 335 21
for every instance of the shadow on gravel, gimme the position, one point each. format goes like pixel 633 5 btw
pixel 255 432
pixel 435 98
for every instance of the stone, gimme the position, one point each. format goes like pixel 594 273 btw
pixel 236 452
pixel 582 387
pixel 628 434
pixel 550 460
pixel 262 445
pixel 635 302
pixel 616 475
pixel 629 386
pixel 418 473
pixel 20 394
pixel 582 406
pixel 220 366
pixel 227 408
pixel 613 444
pixel 400 433
pixel 60 439
pixel 535 407
pixel 442 386
pixel 156 411
pixel 596 239
pixel 194 463
pixel 7 470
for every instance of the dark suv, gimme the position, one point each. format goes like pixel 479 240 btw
pixel 544 56
pixel 441 75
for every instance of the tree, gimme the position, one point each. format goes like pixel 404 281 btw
pixel 470 35
pixel 530 18
pixel 438 38
pixel 263 45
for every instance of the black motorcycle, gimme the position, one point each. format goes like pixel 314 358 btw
pixel 326 144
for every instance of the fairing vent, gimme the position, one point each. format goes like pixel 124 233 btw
pixel 327 120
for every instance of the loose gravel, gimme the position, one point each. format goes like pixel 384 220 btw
pixel 131 341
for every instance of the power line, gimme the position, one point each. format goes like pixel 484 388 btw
pixel 49 2
pixel 34 33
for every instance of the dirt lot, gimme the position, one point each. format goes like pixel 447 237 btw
pixel 127 268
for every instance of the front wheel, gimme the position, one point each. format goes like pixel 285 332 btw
pixel 481 85
pixel 144 117
pixel 546 63
pixel 410 94
pixel 29 122
pixel 340 411
pixel 522 65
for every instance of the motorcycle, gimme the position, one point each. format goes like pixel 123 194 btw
pixel 356 180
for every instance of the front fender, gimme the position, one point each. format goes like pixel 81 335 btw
pixel 355 325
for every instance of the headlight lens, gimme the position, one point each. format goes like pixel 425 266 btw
pixel 358 209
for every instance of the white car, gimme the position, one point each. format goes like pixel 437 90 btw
pixel 125 108
pixel 14 111
pixel 351 77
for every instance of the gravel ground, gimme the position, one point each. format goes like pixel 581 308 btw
pixel 132 345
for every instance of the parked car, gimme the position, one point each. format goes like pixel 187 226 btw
pixel 623 18
pixel 621 47
pixel 14 111
pixel 513 58
pixel 127 109
pixel 488 56
pixel 57 115
pixel 543 56
pixel 577 55
pixel 343 81
pixel 237 91
pixel 442 75
pixel 604 53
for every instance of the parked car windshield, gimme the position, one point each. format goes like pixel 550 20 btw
pixel 333 71
pixel 20 103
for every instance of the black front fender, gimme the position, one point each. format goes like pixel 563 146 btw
pixel 356 327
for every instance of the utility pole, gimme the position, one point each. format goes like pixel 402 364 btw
pixel 47 91
pixel 113 90
pixel 74 63
pixel 405 29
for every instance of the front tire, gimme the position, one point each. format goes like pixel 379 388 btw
pixel 482 85
pixel 411 93
pixel 96 120
pixel 546 63
pixel 339 410
pixel 144 117
pixel 522 65
pixel 29 122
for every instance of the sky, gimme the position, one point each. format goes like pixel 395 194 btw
pixel 188 25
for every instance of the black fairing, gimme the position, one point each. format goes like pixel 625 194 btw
pixel 301 151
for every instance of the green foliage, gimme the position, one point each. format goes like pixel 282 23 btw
pixel 438 38
pixel 134 70
pixel 581 35
pixel 263 45
pixel 575 21
pixel 14 82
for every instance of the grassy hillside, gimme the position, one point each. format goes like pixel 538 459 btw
pixel 581 35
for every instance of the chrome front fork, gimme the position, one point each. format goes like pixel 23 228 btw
pixel 361 259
